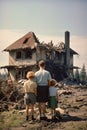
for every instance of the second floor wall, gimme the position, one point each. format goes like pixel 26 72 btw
pixel 30 57
pixel 59 58
pixel 26 57
pixel 22 57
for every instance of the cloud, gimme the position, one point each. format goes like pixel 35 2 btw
pixel 77 43
pixel 54 39
pixel 7 37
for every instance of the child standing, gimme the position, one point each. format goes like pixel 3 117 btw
pixel 53 98
pixel 30 89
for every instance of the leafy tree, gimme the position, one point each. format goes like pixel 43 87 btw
pixel 83 76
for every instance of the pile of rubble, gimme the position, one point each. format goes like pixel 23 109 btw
pixel 11 96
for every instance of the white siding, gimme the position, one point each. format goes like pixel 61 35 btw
pixel 22 61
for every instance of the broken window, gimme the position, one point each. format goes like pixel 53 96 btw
pixel 26 40
pixel 19 75
pixel 18 55
pixel 28 54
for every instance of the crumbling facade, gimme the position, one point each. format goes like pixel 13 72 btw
pixel 25 53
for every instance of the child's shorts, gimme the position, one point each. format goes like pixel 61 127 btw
pixel 52 103
pixel 29 98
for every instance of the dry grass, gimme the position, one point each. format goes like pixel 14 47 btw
pixel 11 119
pixel 76 103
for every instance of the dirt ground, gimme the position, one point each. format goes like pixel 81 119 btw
pixel 72 99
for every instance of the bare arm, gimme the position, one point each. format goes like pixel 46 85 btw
pixel 48 82
pixel 57 95
pixel 35 89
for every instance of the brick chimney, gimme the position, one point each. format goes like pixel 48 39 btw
pixel 67 48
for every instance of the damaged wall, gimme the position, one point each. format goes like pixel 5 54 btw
pixel 13 60
pixel 25 53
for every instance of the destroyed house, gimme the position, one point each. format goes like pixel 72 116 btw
pixel 25 53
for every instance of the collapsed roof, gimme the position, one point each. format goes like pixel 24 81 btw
pixel 31 41
pixel 27 41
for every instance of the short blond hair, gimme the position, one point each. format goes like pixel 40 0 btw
pixel 30 74
pixel 53 82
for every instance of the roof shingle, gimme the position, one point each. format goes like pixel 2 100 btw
pixel 27 41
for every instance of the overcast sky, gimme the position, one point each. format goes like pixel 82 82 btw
pixel 48 19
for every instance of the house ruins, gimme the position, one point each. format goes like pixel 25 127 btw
pixel 25 53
